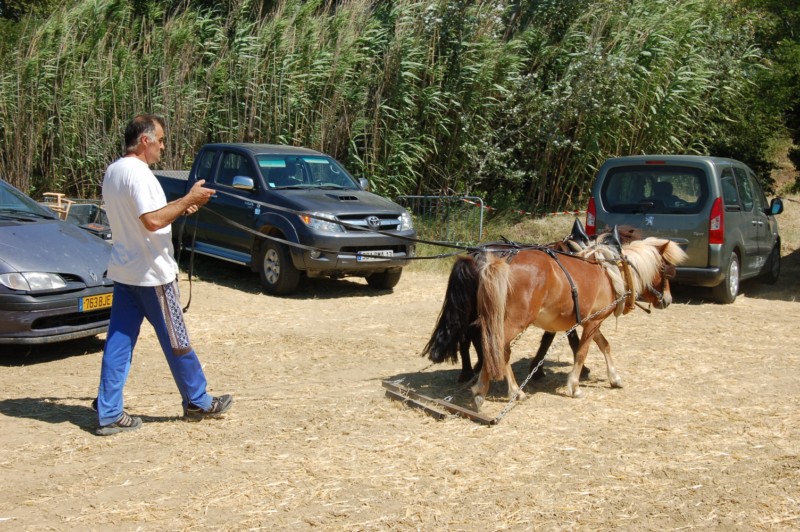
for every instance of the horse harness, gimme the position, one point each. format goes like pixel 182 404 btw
pixel 667 273
pixel 623 264
pixel 513 248
pixel 625 267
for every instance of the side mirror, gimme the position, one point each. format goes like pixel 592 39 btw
pixel 775 206
pixel 241 182
pixel 364 183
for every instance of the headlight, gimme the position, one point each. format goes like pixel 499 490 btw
pixel 322 225
pixel 406 223
pixel 32 281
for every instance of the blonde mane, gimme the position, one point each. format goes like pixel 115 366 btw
pixel 647 258
pixel 607 256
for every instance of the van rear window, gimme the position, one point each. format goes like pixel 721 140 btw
pixel 662 189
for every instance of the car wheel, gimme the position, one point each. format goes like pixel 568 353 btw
pixel 384 280
pixel 773 266
pixel 278 274
pixel 726 291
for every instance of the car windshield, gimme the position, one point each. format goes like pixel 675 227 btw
pixel 304 171
pixel 15 203
pixel 655 189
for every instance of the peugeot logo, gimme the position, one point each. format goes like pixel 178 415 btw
pixel 373 222
pixel 93 276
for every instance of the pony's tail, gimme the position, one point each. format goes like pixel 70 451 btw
pixel 492 294
pixel 459 311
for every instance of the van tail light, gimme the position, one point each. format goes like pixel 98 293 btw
pixel 716 223
pixel 591 218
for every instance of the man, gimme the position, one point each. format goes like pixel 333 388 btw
pixel 145 279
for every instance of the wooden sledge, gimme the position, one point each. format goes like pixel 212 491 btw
pixel 437 408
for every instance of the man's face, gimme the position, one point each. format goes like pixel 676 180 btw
pixel 154 147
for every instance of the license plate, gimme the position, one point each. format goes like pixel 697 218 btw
pixel 90 303
pixel 380 254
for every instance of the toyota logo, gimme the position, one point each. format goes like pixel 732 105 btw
pixel 373 222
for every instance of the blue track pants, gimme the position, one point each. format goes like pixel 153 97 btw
pixel 161 306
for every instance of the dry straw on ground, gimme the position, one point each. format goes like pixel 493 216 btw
pixel 703 436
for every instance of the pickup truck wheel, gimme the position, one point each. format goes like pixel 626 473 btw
pixel 773 266
pixel 278 274
pixel 384 280
pixel 726 291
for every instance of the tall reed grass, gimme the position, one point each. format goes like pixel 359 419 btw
pixel 518 102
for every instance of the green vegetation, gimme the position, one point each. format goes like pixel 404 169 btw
pixel 515 101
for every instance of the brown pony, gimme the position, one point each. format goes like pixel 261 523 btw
pixel 541 288
pixel 457 327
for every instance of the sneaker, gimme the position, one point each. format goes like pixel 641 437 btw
pixel 124 424
pixel 219 405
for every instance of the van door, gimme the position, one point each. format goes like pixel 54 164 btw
pixel 765 241
pixel 747 224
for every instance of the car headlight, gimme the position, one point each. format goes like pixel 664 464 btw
pixel 322 225
pixel 406 223
pixel 32 281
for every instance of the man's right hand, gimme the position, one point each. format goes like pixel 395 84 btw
pixel 199 195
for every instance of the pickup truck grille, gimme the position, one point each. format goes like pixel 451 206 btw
pixel 398 250
pixel 385 222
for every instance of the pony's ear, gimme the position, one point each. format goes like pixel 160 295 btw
pixel 615 239
pixel 578 233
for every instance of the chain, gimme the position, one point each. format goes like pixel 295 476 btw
pixel 512 402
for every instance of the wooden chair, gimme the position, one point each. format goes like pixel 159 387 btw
pixel 58 202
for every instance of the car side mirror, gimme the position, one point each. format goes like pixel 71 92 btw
pixel 364 183
pixel 241 182
pixel 775 206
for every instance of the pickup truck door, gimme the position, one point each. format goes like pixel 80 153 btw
pixel 219 237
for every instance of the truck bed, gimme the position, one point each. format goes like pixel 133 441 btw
pixel 183 175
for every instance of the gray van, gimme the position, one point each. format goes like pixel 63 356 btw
pixel 714 208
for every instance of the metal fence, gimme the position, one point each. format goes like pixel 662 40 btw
pixel 453 219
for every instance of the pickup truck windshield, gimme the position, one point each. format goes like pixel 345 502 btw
pixel 299 171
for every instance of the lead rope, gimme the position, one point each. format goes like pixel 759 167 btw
pixel 191 262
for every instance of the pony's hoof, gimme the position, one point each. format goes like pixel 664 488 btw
pixel 477 402
pixel 616 383
pixel 578 394
pixel 465 377
pixel 521 397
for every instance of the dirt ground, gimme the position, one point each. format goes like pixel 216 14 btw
pixel 704 435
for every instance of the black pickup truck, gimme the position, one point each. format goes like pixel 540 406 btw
pixel 278 210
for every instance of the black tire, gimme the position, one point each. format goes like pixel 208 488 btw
pixel 726 291
pixel 275 267
pixel 773 271
pixel 384 280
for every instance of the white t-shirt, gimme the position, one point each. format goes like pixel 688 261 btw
pixel 138 257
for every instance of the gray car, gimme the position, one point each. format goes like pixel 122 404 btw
pixel 53 285
pixel 715 208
